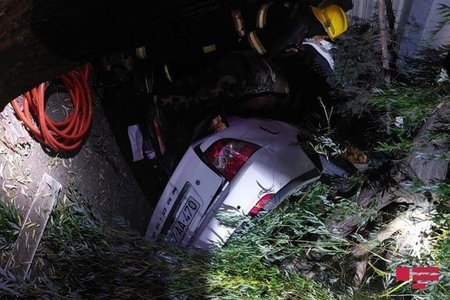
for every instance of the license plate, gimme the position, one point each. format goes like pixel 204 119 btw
pixel 184 219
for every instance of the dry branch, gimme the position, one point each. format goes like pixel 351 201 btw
pixel 423 167
pixel 384 39
pixel 421 164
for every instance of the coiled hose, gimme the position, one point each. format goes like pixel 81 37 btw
pixel 61 136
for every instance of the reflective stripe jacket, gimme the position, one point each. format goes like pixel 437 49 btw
pixel 272 26
pixel 265 27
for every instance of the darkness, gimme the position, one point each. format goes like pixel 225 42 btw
pixel 174 32
pixel 126 103
pixel 94 30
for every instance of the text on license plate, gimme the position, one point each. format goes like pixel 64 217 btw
pixel 184 219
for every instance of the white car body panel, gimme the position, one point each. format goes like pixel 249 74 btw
pixel 278 162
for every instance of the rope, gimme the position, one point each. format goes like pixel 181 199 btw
pixel 66 135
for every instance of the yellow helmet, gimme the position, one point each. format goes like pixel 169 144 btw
pixel 333 19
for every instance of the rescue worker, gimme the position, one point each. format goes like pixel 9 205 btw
pixel 251 71
pixel 298 24
pixel 264 27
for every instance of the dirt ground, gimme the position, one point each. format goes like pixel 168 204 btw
pixel 98 171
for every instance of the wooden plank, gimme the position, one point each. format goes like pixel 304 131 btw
pixel 33 227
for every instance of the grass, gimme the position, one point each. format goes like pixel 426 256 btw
pixel 414 104
pixel 293 252
pixel 438 255
pixel 10 224
pixel 82 257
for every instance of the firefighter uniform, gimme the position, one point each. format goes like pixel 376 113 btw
pixel 272 26
pixel 264 27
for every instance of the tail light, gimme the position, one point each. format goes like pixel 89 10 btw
pixel 260 205
pixel 228 156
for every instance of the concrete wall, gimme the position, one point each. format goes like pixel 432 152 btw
pixel 442 38
pixel 415 22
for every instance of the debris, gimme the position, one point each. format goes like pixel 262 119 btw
pixel 13 134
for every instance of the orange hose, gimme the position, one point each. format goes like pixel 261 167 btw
pixel 66 135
